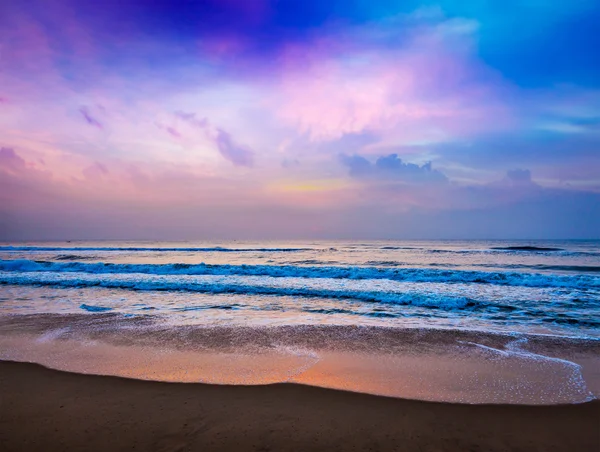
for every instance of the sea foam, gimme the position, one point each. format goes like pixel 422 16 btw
pixel 579 281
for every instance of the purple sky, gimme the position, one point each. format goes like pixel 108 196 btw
pixel 299 119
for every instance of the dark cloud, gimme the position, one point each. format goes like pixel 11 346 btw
pixel 237 154
pixel 519 177
pixel 191 118
pixel 392 168
pixel 89 118
pixel 173 132
pixel 358 165
pixel 10 161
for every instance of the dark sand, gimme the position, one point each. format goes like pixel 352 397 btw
pixel 49 410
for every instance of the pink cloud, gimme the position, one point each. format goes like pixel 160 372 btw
pixel 95 171
pixel 89 118
pixel 10 161
pixel 425 88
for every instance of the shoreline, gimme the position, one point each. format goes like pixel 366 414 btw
pixel 46 320
pixel 418 364
pixel 45 409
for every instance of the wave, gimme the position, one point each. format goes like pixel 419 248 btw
pixel 278 271
pixel 545 267
pixel 216 249
pixel 89 308
pixel 385 263
pixel 526 248
pixel 73 257
pixel 166 283
pixel 515 250
pixel 399 248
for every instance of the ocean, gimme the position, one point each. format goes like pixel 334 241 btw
pixel 534 286
pixel 298 298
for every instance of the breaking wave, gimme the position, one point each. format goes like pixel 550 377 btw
pixel 244 285
pixel 353 273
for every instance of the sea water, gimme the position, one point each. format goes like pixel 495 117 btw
pixel 533 286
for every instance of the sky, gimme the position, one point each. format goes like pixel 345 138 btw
pixel 281 119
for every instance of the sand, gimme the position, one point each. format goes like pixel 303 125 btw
pixel 49 410
pixel 423 364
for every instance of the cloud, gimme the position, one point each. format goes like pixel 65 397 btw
pixel 235 153
pixel 232 151
pixel 191 118
pixel 10 161
pixel 290 163
pixel 519 177
pixel 293 81
pixel 392 168
pixel 173 132
pixel 95 171
pixel 89 118
pixel 415 77
pixel 358 165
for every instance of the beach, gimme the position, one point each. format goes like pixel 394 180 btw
pixel 272 225
pixel 43 409
pixel 432 346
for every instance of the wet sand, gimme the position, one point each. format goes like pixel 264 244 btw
pixel 432 365
pixel 49 410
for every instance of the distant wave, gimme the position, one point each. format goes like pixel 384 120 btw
pixel 570 268
pixel 216 249
pixel 385 263
pixel 73 257
pixel 545 267
pixel 399 248
pixel 353 273
pixel 526 248
pixel 514 250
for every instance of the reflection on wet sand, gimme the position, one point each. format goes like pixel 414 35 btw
pixel 450 366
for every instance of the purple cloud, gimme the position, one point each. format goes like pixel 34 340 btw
pixel 173 132
pixel 392 168
pixel 10 161
pixel 190 118
pixel 95 171
pixel 89 118
pixel 237 154
pixel 516 179
pixel 519 176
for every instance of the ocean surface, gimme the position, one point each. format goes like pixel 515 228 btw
pixel 538 287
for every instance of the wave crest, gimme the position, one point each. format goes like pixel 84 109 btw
pixel 354 273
